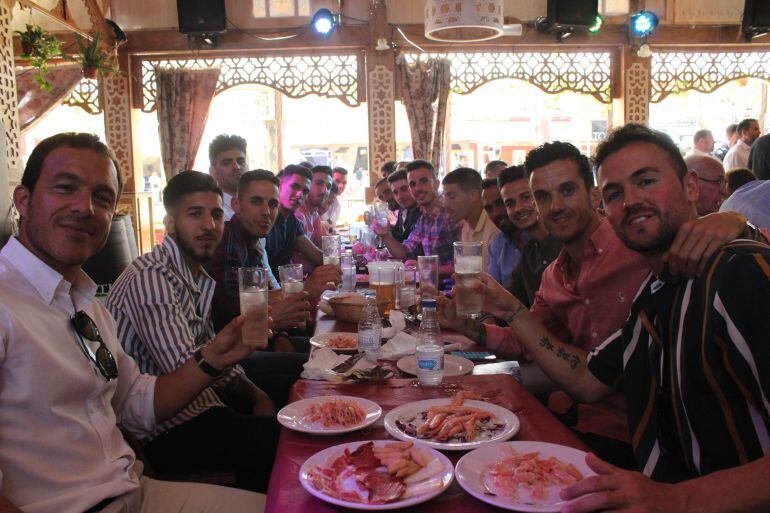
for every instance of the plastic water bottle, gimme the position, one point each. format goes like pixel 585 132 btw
pixel 370 328
pixel 430 351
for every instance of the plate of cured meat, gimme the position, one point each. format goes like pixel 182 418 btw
pixel 376 475
pixel 329 415
pixel 455 424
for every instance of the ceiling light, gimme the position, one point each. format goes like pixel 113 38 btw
pixel 596 27
pixel 324 22
pixel 642 24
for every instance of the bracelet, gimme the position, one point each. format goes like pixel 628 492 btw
pixel 205 366
pixel 509 320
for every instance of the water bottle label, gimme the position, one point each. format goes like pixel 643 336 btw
pixel 427 364
pixel 368 340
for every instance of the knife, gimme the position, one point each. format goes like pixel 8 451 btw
pixel 347 364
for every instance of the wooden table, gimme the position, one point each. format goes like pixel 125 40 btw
pixel 286 495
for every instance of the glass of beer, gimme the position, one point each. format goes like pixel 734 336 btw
pixel 331 248
pixel 382 279
pixel 427 269
pixel 252 288
pixel 291 279
pixel 468 267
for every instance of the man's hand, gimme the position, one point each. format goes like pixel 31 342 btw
pixel 282 344
pixel 291 311
pixel 618 490
pixel 496 298
pixel 698 239
pixel 447 314
pixel 324 277
pixel 226 349
pixel 263 405
pixel 382 231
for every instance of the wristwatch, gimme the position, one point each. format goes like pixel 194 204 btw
pixel 206 366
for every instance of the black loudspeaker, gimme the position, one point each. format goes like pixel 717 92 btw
pixel 199 17
pixel 756 18
pixel 572 13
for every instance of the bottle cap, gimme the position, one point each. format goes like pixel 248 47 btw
pixel 370 293
pixel 429 303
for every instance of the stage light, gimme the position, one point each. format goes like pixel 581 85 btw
pixel 597 26
pixel 324 22
pixel 642 24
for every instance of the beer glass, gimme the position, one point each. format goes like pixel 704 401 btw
pixel 291 279
pixel 331 249
pixel 381 213
pixel 252 289
pixel 405 287
pixel 427 269
pixel 468 267
pixel 382 279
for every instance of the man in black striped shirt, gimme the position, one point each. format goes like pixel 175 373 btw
pixel 692 357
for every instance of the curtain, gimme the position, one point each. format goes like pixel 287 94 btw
pixel 184 97
pixel 425 93
pixel 34 102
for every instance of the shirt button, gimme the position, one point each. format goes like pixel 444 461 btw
pixel 594 334
pixel 588 301
pixel 600 250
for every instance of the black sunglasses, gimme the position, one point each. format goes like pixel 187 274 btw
pixel 104 361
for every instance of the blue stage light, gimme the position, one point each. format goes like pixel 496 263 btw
pixel 643 23
pixel 324 22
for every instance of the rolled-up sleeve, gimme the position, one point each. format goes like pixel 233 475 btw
pixel 134 399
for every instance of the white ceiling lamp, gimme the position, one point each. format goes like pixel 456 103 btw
pixel 463 21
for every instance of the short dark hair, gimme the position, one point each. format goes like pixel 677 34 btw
pixel 700 134
pixel 494 163
pixel 70 140
pixel 632 133
pixel 397 175
pixel 381 181
pixel 224 142
pixel 340 170
pixel 388 167
pixel 511 174
pixel 186 183
pixel 731 129
pixel 465 178
pixel 745 125
pixel 307 164
pixel 559 150
pixel 296 169
pixel 420 164
pixel 322 169
pixel 257 175
pixel 737 177
pixel 486 183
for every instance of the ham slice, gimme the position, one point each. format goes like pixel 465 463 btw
pixel 363 457
pixel 383 488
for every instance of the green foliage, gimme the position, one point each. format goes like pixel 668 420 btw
pixel 92 55
pixel 39 46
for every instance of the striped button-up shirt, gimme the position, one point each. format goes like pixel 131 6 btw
pixel 434 234
pixel 694 361
pixel 163 314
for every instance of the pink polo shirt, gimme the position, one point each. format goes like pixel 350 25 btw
pixel 583 311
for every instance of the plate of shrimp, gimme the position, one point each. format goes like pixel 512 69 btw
pixel 329 415
pixel 456 424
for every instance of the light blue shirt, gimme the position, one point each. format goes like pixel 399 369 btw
pixel 504 256
pixel 753 201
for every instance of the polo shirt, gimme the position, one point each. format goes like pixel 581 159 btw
pixel 483 231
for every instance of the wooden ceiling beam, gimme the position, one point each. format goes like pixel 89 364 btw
pixel 57 19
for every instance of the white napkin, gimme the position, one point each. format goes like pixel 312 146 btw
pixel 401 345
pixel 323 359
pixel 397 324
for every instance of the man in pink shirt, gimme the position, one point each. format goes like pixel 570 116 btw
pixel 309 216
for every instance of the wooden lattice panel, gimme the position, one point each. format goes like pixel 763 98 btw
pixel 382 121
pixel 637 94
pixel 86 96
pixel 117 124
pixel 8 103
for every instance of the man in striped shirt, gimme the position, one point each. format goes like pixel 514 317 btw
pixel 692 356
pixel 162 306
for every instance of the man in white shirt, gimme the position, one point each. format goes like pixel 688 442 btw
pixel 738 156
pixel 227 155
pixel 66 382
pixel 332 214
pixel 702 143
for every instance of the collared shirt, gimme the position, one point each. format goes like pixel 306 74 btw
pixel 227 200
pixel 738 156
pixel 504 256
pixel 484 230
pixel 314 229
pixel 693 359
pixel 61 449
pixel 163 315
pixel 281 240
pixel 582 310
pixel 237 249
pixel 407 218
pixel 753 201
pixel 332 215
pixel 433 234
pixel 536 257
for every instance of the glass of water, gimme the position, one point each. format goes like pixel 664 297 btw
pixel 427 269
pixel 406 293
pixel 348 265
pixel 252 288
pixel 291 279
pixel 468 267
pixel 331 248
pixel 381 213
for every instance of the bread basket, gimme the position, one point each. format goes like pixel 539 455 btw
pixel 347 307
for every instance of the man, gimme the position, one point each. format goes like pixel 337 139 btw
pixel 287 233
pixel 308 214
pixel 504 254
pixel 340 178
pixel 409 212
pixel 541 249
pixel 712 189
pixel 383 193
pixel 324 209
pixel 731 132
pixel 738 156
pixel 691 357
pixel 759 157
pixel 162 306
pixel 493 168
pixel 702 143
pixel 387 168
pixel 62 451
pixel 462 201
pixel 753 201
pixel 434 232
pixel 227 154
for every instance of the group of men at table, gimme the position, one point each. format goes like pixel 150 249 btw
pixel 650 318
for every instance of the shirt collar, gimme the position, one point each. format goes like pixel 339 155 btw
pixel 483 218
pixel 182 269
pixel 45 280
pixel 596 244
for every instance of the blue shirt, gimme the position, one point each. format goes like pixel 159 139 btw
pixel 753 201
pixel 281 240
pixel 504 256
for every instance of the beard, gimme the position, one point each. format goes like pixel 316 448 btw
pixel 199 255
pixel 660 241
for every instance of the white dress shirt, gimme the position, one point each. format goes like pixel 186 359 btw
pixel 60 448
pixel 738 156
pixel 227 199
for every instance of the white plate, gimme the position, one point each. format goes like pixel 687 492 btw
pixel 328 455
pixel 503 415
pixel 291 415
pixel 323 341
pixel 470 470
pixel 453 365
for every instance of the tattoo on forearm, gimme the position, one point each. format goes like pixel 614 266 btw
pixel 568 357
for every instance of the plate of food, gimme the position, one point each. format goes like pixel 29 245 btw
pixel 376 475
pixel 338 341
pixel 453 365
pixel 522 476
pixel 455 424
pixel 329 415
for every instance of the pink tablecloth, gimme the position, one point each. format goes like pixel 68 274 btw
pixel 286 495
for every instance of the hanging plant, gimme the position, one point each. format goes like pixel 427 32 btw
pixel 39 47
pixel 92 57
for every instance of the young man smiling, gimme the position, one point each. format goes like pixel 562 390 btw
pixel 504 248
pixel 227 155
pixel 309 216
pixel 409 212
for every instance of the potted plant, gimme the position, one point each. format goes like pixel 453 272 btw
pixel 92 57
pixel 39 46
